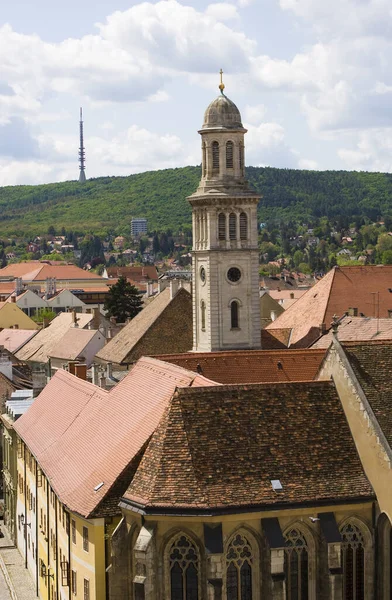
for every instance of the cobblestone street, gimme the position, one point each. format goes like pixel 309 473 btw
pixel 12 568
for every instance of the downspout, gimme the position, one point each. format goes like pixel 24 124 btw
pixel 25 503
pixel 69 555
pixel 36 530
pixel 57 548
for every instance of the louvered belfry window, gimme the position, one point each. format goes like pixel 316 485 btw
pixel 232 226
pixel 215 157
pixel 204 159
pixel 296 566
pixel 229 155
pixel 234 314
pixel 243 226
pixel 222 226
pixel 184 570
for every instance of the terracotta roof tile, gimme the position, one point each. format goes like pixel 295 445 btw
pixel 365 288
pixel 37 271
pixel 219 448
pixel 72 418
pixel 13 339
pixel 358 329
pixel 251 366
pixel 73 343
pixel 372 362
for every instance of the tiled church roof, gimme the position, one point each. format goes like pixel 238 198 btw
pixel 219 448
pixel 251 366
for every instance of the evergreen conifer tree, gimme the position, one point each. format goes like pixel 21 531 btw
pixel 123 301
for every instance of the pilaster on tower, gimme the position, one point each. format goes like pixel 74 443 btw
pixel 82 153
pixel 226 305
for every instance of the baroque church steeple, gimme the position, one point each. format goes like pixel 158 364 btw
pixel 226 305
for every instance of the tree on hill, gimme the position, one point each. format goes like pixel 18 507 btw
pixel 123 301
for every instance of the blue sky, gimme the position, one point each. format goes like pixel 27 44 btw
pixel 312 80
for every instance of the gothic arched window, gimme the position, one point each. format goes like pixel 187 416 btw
pixel 242 157
pixel 232 226
pixel 215 156
pixel 184 570
pixel 243 226
pixel 222 226
pixel 229 155
pixel 239 561
pixel 296 566
pixel 203 315
pixel 234 314
pixel 353 562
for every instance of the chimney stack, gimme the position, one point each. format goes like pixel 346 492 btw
pixel 81 371
pixel 96 318
pixel 173 288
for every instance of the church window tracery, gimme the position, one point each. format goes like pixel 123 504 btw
pixel 232 226
pixel 222 226
pixel 184 570
pixel 229 155
pixel 243 226
pixel 234 314
pixel 353 562
pixel 296 566
pixel 239 564
pixel 215 156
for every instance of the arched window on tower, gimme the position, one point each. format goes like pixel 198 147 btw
pixel 296 566
pixel 203 315
pixel 229 155
pixel 239 564
pixel 233 226
pixel 222 226
pixel 204 159
pixel 215 157
pixel 353 562
pixel 234 314
pixel 243 226
pixel 241 158
pixel 184 570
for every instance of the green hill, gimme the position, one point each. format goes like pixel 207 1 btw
pixel 108 203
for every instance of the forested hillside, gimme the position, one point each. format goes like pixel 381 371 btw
pixel 107 204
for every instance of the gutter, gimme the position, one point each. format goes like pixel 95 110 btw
pixel 211 512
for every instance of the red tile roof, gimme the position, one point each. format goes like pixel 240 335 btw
pixel 251 366
pixel 72 418
pixel 36 271
pixel 219 448
pixel 366 288
pixel 358 329
pixel 135 273
pixel 13 339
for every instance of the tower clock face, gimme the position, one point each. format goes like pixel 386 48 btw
pixel 203 274
pixel 233 274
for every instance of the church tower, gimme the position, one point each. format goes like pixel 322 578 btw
pixel 226 305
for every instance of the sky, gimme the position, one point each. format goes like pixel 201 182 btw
pixel 312 79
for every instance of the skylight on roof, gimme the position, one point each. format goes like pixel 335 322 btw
pixel 98 487
pixel 276 485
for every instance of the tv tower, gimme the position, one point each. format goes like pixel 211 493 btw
pixel 82 154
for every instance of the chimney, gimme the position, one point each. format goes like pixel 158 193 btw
pixel 323 328
pixel 39 381
pixel 74 319
pixel 291 295
pixel 109 371
pixel 16 326
pixel 81 371
pixel 47 287
pixel 95 373
pixel 96 321
pixel 71 367
pixel 113 320
pixel 173 288
pixel 54 285
pixel 13 299
pixel 18 286
pixel 109 334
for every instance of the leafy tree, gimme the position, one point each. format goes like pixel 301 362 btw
pixel 123 301
pixel 387 257
pixel 44 314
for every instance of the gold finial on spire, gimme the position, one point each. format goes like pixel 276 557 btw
pixel 221 85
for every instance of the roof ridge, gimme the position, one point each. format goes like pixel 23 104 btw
pixel 254 386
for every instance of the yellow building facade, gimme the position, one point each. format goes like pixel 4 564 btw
pixel 65 554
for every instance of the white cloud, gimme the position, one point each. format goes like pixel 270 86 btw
pixel 222 11
pixel 266 146
pixel 373 151
pixel 255 114
pixel 308 164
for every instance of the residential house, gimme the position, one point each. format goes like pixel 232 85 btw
pixel 363 290
pixel 163 326
pixel 12 316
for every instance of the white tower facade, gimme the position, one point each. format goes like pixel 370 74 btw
pixel 226 305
